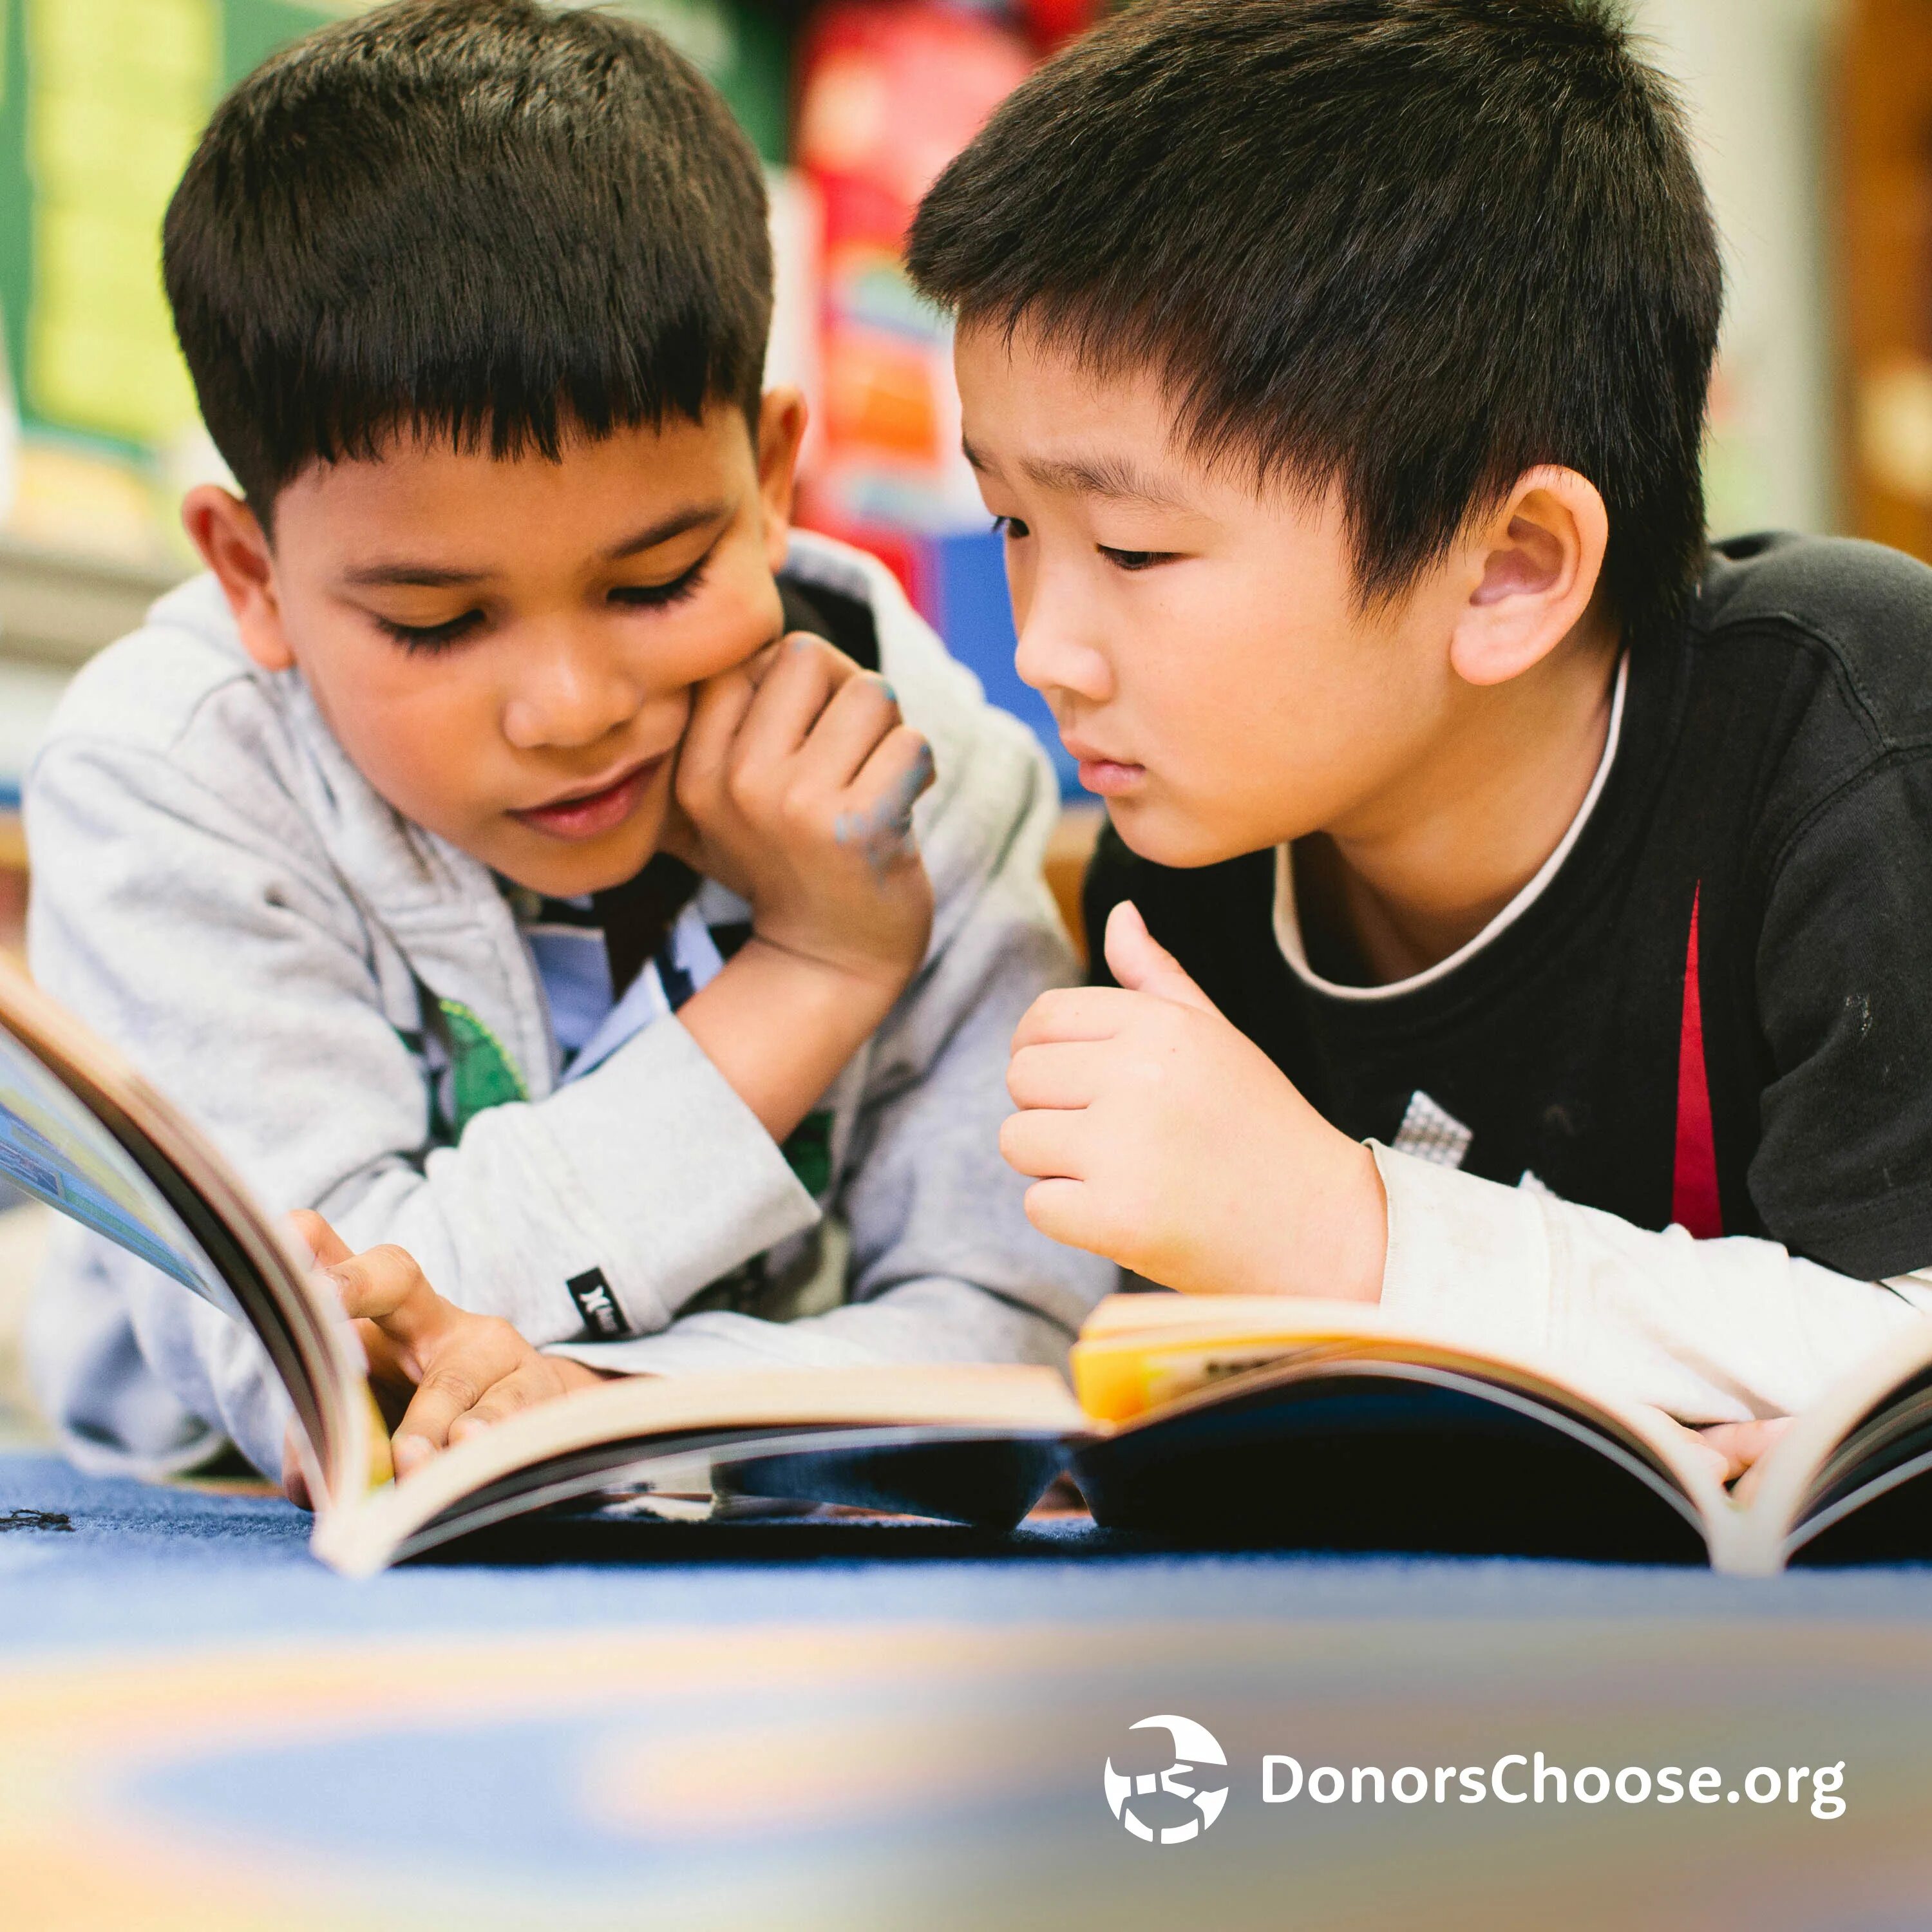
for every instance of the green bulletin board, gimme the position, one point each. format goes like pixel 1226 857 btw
pixel 101 102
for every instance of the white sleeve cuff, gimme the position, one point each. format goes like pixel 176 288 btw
pixel 1709 1331
pixel 1467 1258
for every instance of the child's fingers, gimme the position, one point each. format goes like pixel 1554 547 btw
pixel 319 1238
pixel 1715 1459
pixel 459 1378
pixel 1074 1012
pixel 523 1388
pixel 796 689
pixel 756 667
pixel 393 1370
pixel 385 1286
pixel 862 713
pixel 718 709
pixel 895 774
pixel 1742 1445
pixel 875 815
pixel 1057 1073
pixel 1063 1211
pixel 1045 1143
pixel 1140 962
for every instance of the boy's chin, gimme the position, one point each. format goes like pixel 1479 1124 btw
pixel 1165 834
pixel 561 869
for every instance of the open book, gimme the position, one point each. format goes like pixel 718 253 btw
pixel 82 1132
pixel 1255 1420
pixel 1317 1425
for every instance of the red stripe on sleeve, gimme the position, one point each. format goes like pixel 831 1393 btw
pixel 1693 1194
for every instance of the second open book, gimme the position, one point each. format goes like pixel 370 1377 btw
pixel 1222 1419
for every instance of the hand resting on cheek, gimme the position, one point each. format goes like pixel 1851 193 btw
pixel 1157 1134
pixel 797 778
pixel 796 784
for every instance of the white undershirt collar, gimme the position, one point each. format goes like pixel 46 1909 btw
pixel 1288 918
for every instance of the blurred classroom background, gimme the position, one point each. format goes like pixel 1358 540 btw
pixel 1813 117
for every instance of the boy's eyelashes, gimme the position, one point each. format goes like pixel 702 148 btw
pixel 430 637
pixel 426 638
pixel 1135 560
pixel 1013 529
pixel 655 596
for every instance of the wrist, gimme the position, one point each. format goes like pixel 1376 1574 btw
pixel 861 983
pixel 780 1026
pixel 1348 1264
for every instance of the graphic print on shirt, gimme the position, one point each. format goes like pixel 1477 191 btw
pixel 468 1069
pixel 1429 1132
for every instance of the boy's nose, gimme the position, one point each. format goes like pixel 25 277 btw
pixel 1054 656
pixel 569 695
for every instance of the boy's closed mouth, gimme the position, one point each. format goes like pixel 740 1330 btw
pixel 589 814
pixel 1108 777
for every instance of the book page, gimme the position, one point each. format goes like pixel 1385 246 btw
pixel 1790 1472
pixel 52 1148
pixel 635 1410
pixel 81 1131
pixel 1138 1353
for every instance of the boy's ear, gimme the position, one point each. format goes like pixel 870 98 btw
pixel 233 544
pixel 781 416
pixel 1537 563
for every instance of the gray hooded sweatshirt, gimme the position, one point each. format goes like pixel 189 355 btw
pixel 218 891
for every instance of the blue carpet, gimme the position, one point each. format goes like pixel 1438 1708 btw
pixel 865 1726
pixel 139 1563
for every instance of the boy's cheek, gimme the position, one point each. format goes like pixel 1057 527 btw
pixel 743 614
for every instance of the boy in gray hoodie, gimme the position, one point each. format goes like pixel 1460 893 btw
pixel 521 847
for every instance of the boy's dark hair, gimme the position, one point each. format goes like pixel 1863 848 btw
pixel 1417 247
pixel 484 220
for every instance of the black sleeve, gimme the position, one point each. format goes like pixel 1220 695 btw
pixel 1843 1172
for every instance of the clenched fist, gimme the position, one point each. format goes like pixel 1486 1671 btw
pixel 1157 1134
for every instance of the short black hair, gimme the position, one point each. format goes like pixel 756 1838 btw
pixel 1417 247
pixel 488 220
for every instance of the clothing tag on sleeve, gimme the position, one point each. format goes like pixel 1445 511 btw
pixel 598 1306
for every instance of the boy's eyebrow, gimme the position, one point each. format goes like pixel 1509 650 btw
pixel 435 576
pixel 1112 476
pixel 665 528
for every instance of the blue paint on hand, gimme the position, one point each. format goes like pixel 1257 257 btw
pixel 884 831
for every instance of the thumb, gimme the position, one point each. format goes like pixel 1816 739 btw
pixel 1142 964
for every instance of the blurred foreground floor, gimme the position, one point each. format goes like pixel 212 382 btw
pixel 23 1231
pixel 859 1726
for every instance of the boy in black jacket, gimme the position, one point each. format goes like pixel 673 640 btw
pixel 1512 900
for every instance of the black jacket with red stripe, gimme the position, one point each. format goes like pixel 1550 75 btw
pixel 1718 1010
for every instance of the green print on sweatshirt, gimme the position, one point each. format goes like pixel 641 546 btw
pixel 481 1073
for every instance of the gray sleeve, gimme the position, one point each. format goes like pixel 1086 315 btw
pixel 217 950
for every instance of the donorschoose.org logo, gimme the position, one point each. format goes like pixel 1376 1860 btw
pixel 1193 1744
